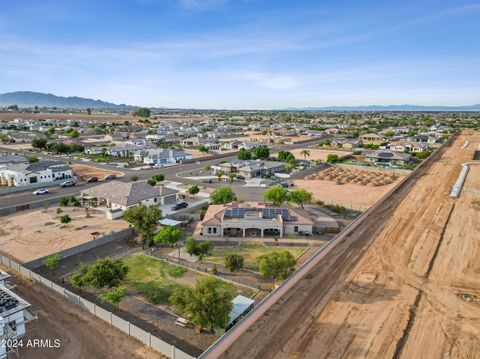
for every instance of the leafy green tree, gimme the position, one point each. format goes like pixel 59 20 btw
pixel 276 195
pixel 134 178
pixel 39 142
pixel 276 264
pixel 52 261
pixel 193 190
pixel 89 111
pixel 222 195
pixel 159 177
pixel 234 262
pixel 300 197
pixel 424 154
pixel 73 134
pixel 170 235
pixel 32 159
pixel 104 273
pixel 231 176
pixel 207 168
pixel 197 248
pixel 144 219
pixel 203 148
pixel 152 182
pixel 207 305
pixel 331 158
pixel 285 156
pixel 142 112
pixel 114 296
pixel 244 154
pixel 261 152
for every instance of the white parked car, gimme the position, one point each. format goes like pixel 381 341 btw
pixel 41 191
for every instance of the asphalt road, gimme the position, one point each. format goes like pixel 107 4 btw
pixel 243 193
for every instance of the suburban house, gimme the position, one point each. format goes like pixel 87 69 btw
pixel 123 195
pixel 159 156
pixel 424 138
pixel 408 146
pixel 24 174
pixel 346 143
pixel 251 168
pixel 387 156
pixel 254 220
pixel 126 149
pixel 14 314
pixel 236 145
pixel 371 138
pixel 210 143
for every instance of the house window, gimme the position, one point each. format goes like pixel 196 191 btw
pixel 209 230
pixel 215 230
pixel 295 229
pixel 155 200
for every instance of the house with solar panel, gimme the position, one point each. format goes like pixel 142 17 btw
pixel 255 220
pixel 14 314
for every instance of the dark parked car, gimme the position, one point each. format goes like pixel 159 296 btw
pixel 207 181
pixel 240 177
pixel 92 179
pixel 109 177
pixel 284 184
pixel 303 233
pixel 179 206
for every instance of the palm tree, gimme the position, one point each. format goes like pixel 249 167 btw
pixel 305 153
pixel 231 176
pixel 219 174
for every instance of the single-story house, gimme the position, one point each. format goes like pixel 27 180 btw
pixel 254 220
pixel 403 146
pixel 387 156
pixel 252 168
pixel 372 138
pixel 22 174
pixel 158 156
pixel 346 143
pixel 123 195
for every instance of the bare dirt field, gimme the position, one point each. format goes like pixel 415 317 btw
pixel 404 284
pixel 316 154
pixel 36 233
pixel 351 188
pixel 66 116
pixel 199 154
pixel 84 172
pixel 81 335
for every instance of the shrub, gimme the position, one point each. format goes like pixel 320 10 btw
pixel 65 219
pixel 176 271
pixel 59 210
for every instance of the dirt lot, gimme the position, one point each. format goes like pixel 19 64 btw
pixel 36 233
pixel 84 172
pixel 81 334
pixel 404 284
pixel 318 154
pixel 357 189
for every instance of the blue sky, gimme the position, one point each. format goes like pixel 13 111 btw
pixel 239 54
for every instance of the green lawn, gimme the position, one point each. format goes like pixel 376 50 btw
pixel 250 251
pixel 156 279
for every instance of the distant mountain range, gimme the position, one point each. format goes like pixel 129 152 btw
pixel 31 99
pixel 390 108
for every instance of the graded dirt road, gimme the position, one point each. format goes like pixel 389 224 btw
pixel 405 284
pixel 80 334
